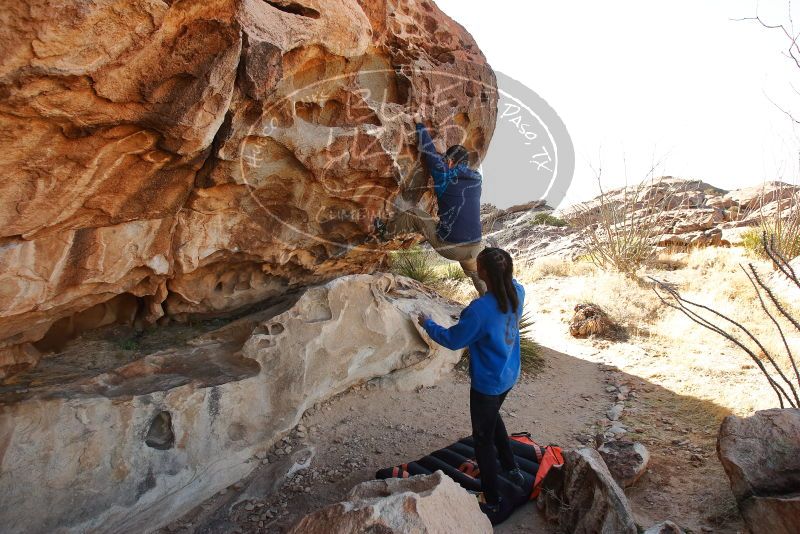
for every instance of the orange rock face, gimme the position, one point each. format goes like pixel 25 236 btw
pixel 178 158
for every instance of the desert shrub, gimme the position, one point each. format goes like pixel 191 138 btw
pixel 547 219
pixel 617 228
pixel 787 239
pixel 530 352
pixel 453 271
pixel 128 344
pixel 414 263
pixel 781 227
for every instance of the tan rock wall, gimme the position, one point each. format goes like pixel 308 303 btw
pixel 207 155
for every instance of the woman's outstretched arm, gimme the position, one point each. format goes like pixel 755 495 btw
pixel 458 336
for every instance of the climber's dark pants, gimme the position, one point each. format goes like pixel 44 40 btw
pixel 489 434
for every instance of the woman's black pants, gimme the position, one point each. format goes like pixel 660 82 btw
pixel 489 434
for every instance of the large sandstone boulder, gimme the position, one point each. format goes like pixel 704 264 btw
pixel 761 456
pixel 196 157
pixel 583 497
pixel 424 504
pixel 129 447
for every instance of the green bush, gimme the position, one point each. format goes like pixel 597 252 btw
pixel 546 219
pixel 414 263
pixel 530 352
pixel 129 344
pixel 786 239
pixel 453 271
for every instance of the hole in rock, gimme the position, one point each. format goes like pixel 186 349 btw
pixel 293 8
pixel 160 435
pixel 275 329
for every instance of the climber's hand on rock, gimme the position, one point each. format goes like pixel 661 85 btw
pixel 421 318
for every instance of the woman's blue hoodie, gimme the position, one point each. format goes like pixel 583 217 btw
pixel 493 340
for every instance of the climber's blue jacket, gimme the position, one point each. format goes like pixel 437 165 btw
pixel 493 340
pixel 458 191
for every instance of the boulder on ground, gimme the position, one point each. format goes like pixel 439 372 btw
pixel 590 320
pixel 420 504
pixel 626 460
pixel 584 498
pixel 761 456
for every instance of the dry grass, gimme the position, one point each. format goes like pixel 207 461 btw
pixel 552 266
pixel 632 306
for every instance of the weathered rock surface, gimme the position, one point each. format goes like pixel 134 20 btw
pixel 761 456
pixel 666 527
pixel 584 498
pixel 128 448
pixel 421 504
pixel 626 460
pixel 198 157
pixel 514 230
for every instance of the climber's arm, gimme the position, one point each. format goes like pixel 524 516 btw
pixel 434 161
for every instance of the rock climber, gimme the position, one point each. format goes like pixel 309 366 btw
pixel 489 326
pixel 457 235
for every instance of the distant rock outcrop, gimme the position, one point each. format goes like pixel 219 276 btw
pixel 677 213
pixel 189 158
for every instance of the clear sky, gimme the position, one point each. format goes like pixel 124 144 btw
pixel 640 81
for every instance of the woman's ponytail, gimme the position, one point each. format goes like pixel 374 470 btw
pixel 500 267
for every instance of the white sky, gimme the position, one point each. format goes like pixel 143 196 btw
pixel 630 79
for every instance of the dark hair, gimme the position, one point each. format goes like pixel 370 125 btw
pixel 500 267
pixel 457 154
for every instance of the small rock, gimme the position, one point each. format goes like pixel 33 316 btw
pixel 617 430
pixel 249 507
pixel 610 389
pixel 615 412
pixel 626 460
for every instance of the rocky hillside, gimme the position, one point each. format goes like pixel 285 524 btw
pixel 168 159
pixel 676 212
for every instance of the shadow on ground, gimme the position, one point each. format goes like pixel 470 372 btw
pixel 365 429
